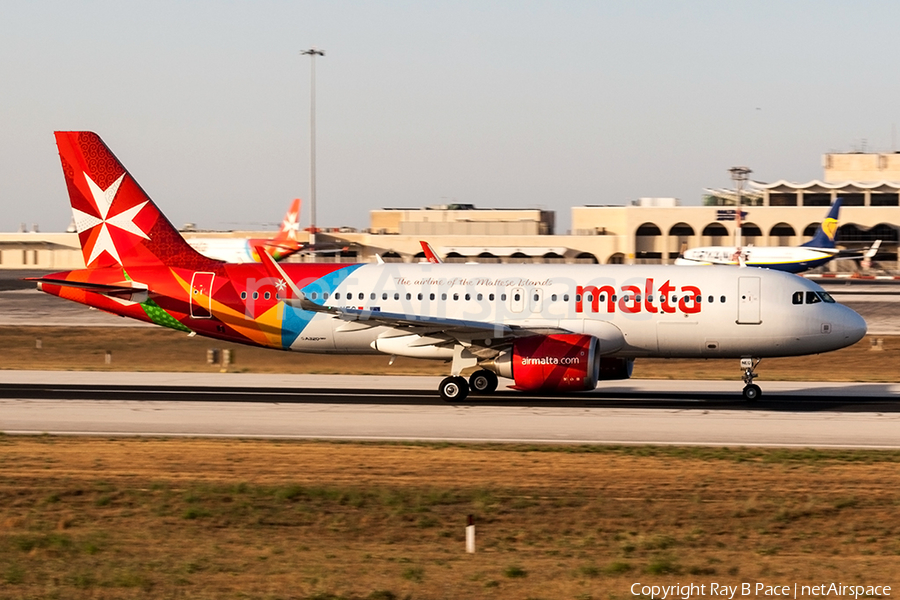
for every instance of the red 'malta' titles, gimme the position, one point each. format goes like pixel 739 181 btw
pixel 634 300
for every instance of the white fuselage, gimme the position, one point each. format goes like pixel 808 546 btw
pixel 231 250
pixel 793 259
pixel 655 312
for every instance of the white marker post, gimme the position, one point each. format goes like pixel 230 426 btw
pixel 470 536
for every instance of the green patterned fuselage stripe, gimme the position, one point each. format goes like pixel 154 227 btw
pixel 161 317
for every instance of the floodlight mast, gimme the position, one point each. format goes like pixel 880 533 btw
pixel 739 176
pixel 312 53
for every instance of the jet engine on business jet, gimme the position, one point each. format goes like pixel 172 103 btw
pixel 558 363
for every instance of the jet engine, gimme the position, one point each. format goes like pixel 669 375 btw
pixel 558 363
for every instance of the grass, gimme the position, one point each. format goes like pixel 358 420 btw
pixel 158 349
pixel 172 518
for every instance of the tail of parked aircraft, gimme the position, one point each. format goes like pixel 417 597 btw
pixel 290 224
pixel 827 231
pixel 285 243
pixel 117 222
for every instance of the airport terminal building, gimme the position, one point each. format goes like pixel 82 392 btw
pixel 650 230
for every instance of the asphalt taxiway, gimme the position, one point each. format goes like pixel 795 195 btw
pixel 790 414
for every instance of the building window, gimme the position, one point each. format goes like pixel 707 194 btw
pixel 782 199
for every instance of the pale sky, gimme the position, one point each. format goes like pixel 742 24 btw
pixel 497 104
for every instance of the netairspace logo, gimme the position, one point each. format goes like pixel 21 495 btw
pixel 692 590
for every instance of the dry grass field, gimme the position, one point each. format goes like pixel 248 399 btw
pixel 157 349
pixel 221 519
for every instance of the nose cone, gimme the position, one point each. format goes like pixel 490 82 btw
pixel 851 327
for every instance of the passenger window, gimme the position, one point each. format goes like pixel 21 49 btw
pixel 479 297
pixel 243 295
pixel 419 296
pixel 384 296
pixel 325 296
pixel 553 298
pixel 396 296
pixel 590 298
pixel 431 296
pixel 698 299
pixel 255 295
pixel 812 298
pixel 503 297
pixel 577 297
pixel 455 297
pixel 443 296
pixel 797 298
pixel 517 297
pixel 267 295
pixel 468 297
pixel 337 295
pixel 613 297
pixel 314 296
pixel 491 297
pixel 722 299
pixel 602 298
pixel 409 296
pixel 565 297
pixel 361 295
pixel 372 296
pixel 710 299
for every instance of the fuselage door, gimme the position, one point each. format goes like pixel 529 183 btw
pixel 201 295
pixel 748 301
pixel 516 300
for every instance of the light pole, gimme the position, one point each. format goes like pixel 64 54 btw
pixel 312 53
pixel 739 176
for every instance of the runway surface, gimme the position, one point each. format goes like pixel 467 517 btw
pixel 408 408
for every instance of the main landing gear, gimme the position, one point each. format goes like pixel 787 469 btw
pixel 751 390
pixel 483 382
pixel 456 389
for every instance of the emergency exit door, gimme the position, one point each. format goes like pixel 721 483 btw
pixel 748 301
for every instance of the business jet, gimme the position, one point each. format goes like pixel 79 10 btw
pixel 793 259
pixel 548 328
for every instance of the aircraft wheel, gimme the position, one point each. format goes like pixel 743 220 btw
pixel 454 389
pixel 483 382
pixel 752 392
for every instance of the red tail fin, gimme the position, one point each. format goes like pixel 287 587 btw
pixel 117 223
pixel 290 224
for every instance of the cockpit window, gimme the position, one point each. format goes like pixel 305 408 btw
pixel 812 298
pixel 826 297
pixel 797 298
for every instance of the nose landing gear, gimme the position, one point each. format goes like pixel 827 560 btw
pixel 751 390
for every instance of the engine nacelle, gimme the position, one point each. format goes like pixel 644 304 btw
pixel 551 363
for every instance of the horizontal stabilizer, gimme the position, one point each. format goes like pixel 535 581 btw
pixel 125 290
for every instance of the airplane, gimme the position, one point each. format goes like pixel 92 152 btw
pixel 793 259
pixel 242 250
pixel 548 328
